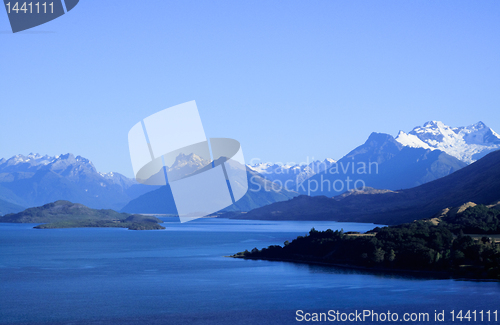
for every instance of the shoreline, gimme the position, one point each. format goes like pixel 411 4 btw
pixel 437 275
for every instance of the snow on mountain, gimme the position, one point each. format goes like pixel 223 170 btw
pixel 24 163
pixel 293 173
pixel 412 141
pixel 467 144
pixel 119 179
pixel 37 161
pixel 185 165
pixel 66 165
pixel 262 168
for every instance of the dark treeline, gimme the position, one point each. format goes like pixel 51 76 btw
pixel 414 246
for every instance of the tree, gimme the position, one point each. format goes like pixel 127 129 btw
pixel 378 255
pixel 392 256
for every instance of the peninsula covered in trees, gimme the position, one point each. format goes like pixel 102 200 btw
pixel 460 243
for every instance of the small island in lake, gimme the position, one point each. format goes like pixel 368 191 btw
pixel 64 214
pixel 461 242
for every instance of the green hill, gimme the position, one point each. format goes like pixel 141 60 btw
pixel 64 214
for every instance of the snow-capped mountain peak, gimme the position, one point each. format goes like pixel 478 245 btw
pixel 468 143
pixel 294 173
pixel 185 165
pixel 192 160
pixel 437 124
pixel 411 140
pixel 480 134
pixel 261 168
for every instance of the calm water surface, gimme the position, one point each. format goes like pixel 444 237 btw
pixel 180 276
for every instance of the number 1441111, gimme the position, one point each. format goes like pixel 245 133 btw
pixel 25 7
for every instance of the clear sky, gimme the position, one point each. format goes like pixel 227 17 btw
pixel 288 79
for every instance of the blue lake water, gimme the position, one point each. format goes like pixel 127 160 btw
pixel 180 276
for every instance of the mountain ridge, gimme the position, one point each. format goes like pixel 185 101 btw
pixel 478 182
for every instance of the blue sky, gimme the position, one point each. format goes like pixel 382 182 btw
pixel 288 79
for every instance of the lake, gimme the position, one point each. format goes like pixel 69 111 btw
pixel 180 276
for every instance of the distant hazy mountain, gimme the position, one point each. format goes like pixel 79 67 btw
pixel 465 143
pixel 35 180
pixel 8 207
pixel 291 174
pixel 478 182
pixel 382 163
pixel 260 192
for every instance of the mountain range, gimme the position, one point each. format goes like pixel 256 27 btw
pixel 478 182
pixel 34 180
pixel 382 162
pixel 409 168
pixel 424 154
pixel 291 174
